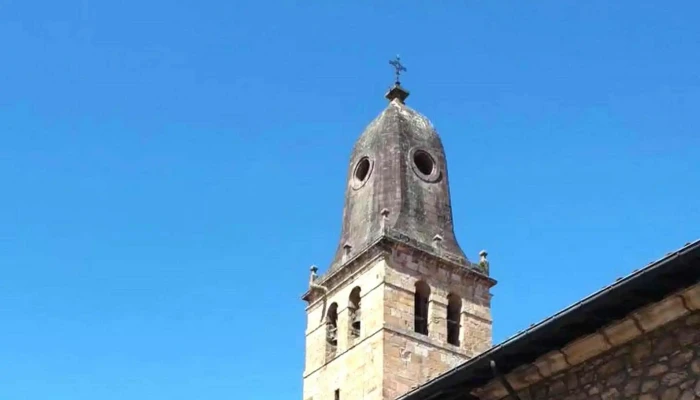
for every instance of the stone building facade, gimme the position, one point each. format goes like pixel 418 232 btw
pixel 402 313
pixel 400 303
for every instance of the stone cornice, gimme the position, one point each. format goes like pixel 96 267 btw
pixel 340 354
pixel 436 256
pixel 341 310
pixel 383 246
pixel 427 340
pixel 339 279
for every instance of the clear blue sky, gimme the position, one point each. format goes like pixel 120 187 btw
pixel 170 169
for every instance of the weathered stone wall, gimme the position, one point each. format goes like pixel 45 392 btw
pixel 389 358
pixel 410 358
pixel 356 373
pixel 356 366
pixel 586 349
pixel 406 267
pixel 662 365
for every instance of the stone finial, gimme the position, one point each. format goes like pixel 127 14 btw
pixel 385 216
pixel 396 92
pixel 384 213
pixel 312 281
pixel 484 262
pixel 346 251
pixel 312 277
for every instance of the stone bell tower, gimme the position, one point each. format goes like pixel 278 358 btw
pixel 400 303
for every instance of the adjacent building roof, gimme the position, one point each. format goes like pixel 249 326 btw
pixel 675 272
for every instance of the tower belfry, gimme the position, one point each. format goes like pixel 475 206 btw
pixel 400 302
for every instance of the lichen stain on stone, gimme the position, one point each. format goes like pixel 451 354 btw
pixel 418 209
pixel 415 118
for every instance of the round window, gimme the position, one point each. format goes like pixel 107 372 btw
pixel 361 173
pixel 362 169
pixel 424 165
pixel 424 162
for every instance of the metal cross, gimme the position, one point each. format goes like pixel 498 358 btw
pixel 396 63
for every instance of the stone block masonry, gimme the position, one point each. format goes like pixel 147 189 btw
pixel 389 357
pixel 412 358
pixel 661 365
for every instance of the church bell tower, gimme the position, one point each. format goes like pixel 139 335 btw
pixel 400 303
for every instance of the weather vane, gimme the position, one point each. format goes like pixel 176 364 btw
pixel 396 63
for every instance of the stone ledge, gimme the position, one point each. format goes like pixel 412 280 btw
pixel 339 355
pixel 429 258
pixel 622 332
pixel 660 313
pixel 485 320
pixel 525 376
pixel 388 242
pixel 583 349
pixel 427 340
pixel 551 363
pixel 401 332
pixel 692 298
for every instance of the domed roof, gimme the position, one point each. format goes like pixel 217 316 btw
pixel 397 185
